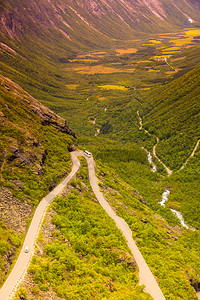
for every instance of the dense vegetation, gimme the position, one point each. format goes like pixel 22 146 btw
pixel 33 158
pixel 88 251
pixel 98 85
pixel 185 191
pixel 89 257
pixel 9 240
pixel 173 116
pixel 170 251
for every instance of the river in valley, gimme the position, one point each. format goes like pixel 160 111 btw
pixel 179 215
pixel 149 156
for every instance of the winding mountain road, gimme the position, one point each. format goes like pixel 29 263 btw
pixel 169 172
pixel 145 275
pixel 19 270
pixel 17 274
pixel 192 154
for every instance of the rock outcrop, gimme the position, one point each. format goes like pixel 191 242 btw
pixel 195 283
pixel 46 115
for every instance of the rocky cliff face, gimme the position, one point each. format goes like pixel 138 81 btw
pixel 24 125
pixel 34 144
pixel 46 116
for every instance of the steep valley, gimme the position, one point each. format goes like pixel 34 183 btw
pixel 86 75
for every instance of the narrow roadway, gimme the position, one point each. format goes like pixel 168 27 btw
pixel 17 274
pixel 145 275
pixel 192 154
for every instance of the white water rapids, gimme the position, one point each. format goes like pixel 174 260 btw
pixel 154 169
pixel 98 131
pixel 165 197
pixel 149 157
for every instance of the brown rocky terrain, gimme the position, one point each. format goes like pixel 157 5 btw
pixel 13 212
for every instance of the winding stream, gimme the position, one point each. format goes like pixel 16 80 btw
pixel 98 131
pixel 169 172
pixel 149 157
pixel 179 215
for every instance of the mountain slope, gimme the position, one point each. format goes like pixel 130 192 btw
pixel 80 23
pixel 34 156
pixel 39 41
pixel 173 114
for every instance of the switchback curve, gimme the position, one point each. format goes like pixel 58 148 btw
pixel 19 270
pixel 17 274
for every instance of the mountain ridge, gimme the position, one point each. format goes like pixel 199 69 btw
pixel 118 20
pixel 59 52
pixel 46 115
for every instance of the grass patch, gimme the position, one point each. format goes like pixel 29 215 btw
pixel 171 49
pixel 155 41
pixel 101 98
pixel 126 51
pixel 98 69
pixel 72 86
pixel 192 32
pixel 113 87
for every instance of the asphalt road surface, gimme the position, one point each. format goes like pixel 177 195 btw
pixel 145 275
pixel 17 274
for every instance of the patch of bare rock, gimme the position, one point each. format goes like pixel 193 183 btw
pixel 13 212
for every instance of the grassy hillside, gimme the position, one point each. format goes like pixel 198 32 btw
pixel 96 67
pixel 33 158
pixel 172 114
pixel 79 246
